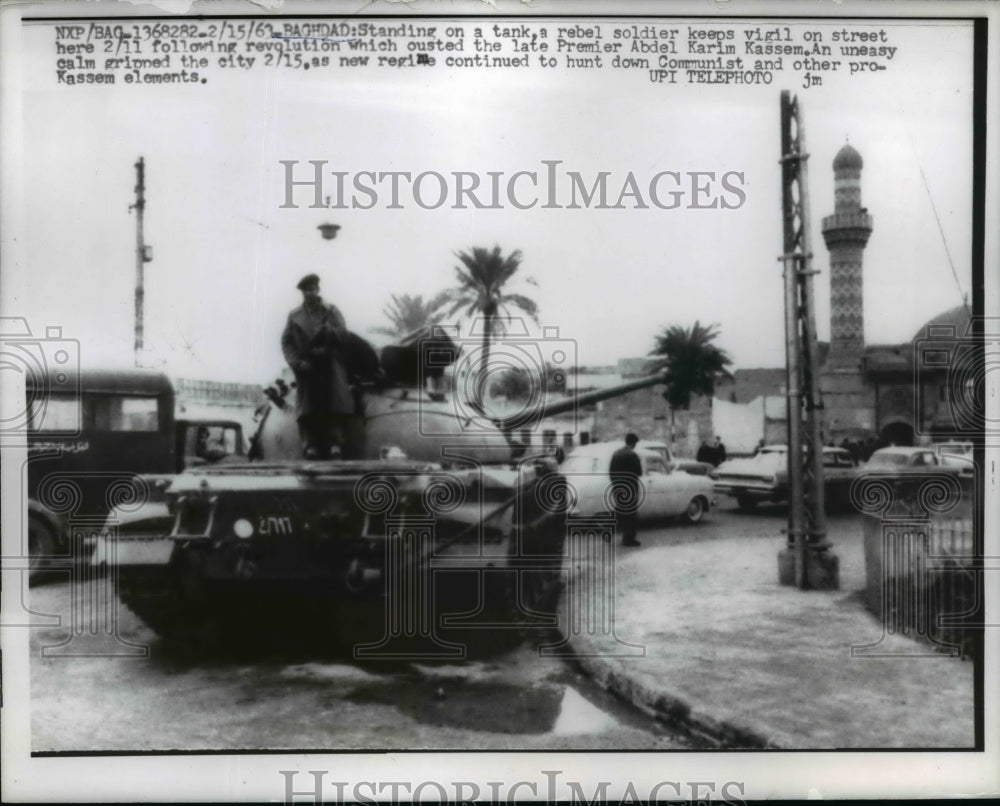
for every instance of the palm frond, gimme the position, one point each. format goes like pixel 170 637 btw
pixel 690 363
pixel 529 306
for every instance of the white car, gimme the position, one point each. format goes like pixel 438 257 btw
pixel 956 454
pixel 687 465
pixel 903 459
pixel 764 477
pixel 665 490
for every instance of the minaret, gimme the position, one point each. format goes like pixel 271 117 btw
pixel 846 233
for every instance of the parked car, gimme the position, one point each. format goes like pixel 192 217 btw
pixel 764 476
pixel 692 466
pixel 903 459
pixel 908 469
pixel 668 491
pixel 956 454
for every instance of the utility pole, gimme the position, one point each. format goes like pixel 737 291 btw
pixel 142 253
pixel 806 561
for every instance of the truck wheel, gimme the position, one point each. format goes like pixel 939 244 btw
pixel 42 544
pixel 695 510
pixel 746 502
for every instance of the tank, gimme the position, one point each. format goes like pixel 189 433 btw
pixel 436 518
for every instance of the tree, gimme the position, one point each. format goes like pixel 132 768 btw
pixel 482 281
pixel 408 314
pixel 513 384
pixel 691 364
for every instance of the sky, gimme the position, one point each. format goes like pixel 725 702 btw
pixel 227 256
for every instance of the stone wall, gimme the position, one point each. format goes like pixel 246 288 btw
pixel 647 414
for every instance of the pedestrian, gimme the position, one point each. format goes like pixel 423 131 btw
pixel 311 343
pixel 718 452
pixel 854 448
pixel 704 453
pixel 625 470
pixel 868 448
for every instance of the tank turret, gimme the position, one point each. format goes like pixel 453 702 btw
pixel 402 410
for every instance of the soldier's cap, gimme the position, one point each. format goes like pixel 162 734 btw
pixel 631 439
pixel 308 281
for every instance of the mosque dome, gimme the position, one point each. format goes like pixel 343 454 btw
pixel 848 158
pixel 957 318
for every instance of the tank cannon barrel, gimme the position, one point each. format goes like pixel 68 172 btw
pixel 585 399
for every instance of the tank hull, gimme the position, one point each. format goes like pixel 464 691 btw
pixel 274 547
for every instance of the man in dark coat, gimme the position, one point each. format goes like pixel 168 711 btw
pixel 312 344
pixel 718 452
pixel 704 454
pixel 625 470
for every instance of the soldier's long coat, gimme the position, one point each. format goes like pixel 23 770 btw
pixel 311 343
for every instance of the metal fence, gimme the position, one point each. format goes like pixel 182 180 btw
pixel 922 565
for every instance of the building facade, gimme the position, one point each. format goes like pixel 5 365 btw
pixel 903 394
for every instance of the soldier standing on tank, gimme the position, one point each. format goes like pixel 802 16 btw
pixel 312 342
pixel 625 470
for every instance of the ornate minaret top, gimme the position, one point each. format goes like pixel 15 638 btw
pixel 846 233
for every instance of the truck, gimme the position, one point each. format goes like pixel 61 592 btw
pixel 104 439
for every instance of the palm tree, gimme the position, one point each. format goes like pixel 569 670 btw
pixel 482 279
pixel 410 313
pixel 691 364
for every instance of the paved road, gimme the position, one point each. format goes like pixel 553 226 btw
pixel 313 697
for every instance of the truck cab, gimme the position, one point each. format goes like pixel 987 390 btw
pixel 88 444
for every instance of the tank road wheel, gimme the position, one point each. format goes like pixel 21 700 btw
pixel 695 511
pixel 746 502
pixel 173 603
pixel 42 543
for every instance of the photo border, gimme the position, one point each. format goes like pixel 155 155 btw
pixel 228 777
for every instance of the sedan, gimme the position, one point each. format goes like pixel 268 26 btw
pixel 956 454
pixel 904 459
pixel 666 491
pixel 764 477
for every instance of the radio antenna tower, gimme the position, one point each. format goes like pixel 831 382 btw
pixel 807 561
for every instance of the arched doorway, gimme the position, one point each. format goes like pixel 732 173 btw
pixel 897 432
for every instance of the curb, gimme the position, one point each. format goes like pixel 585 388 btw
pixel 660 704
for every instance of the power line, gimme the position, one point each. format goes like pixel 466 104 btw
pixel 937 218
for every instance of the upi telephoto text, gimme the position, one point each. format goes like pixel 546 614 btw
pixel 545 188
